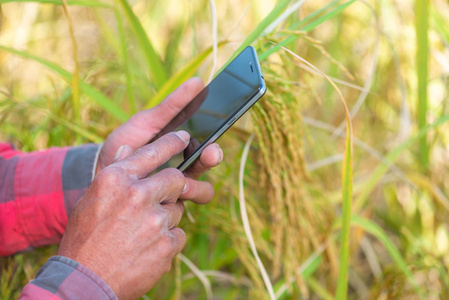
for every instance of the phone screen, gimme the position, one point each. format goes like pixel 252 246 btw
pixel 216 105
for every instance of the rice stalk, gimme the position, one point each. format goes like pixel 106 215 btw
pixel 380 170
pixel 421 28
pixel 297 223
pixel 124 54
pixel 342 284
pixel 86 3
pixel 181 76
pixel 87 89
pixel 75 76
pixel 375 230
pixel 327 16
pixel 372 71
pixel 155 66
pixel 204 280
pixel 245 220
pixel 92 137
pixel 260 28
pixel 213 16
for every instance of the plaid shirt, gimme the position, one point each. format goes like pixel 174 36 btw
pixel 38 191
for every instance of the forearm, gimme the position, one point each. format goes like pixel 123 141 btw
pixel 38 191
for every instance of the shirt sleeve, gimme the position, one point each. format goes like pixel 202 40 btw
pixel 38 191
pixel 62 278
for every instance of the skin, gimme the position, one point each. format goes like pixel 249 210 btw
pixel 125 227
pixel 145 125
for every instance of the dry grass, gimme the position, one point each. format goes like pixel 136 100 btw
pixel 400 231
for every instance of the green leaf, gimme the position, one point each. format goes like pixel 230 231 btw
pixel 329 15
pixel 126 64
pixel 390 158
pixel 440 24
pixel 257 32
pixel 86 3
pixel 422 57
pixel 374 229
pixel 185 73
pixel 154 62
pixel 97 96
pixel 342 284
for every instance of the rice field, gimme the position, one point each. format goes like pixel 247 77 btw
pixel 335 186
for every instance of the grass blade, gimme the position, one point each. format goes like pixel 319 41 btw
pixel 390 158
pixel 314 14
pixel 75 76
pixel 86 3
pixel 181 76
pixel 440 24
pixel 203 278
pixel 74 127
pixel 126 64
pixel 374 229
pixel 97 96
pixel 329 15
pixel 260 28
pixel 155 64
pixel 245 220
pixel 421 27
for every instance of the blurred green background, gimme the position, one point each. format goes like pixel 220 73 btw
pixel 332 215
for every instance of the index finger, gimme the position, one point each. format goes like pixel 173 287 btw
pixel 148 158
pixel 174 103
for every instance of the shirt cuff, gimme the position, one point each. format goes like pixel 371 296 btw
pixel 77 173
pixel 63 278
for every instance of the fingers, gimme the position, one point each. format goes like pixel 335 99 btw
pixel 144 125
pixel 148 158
pixel 174 212
pixel 166 186
pixel 211 157
pixel 200 192
pixel 164 189
pixel 162 114
pixel 180 239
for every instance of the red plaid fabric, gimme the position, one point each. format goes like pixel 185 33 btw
pixel 63 278
pixel 38 191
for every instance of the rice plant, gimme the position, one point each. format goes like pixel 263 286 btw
pixel 341 191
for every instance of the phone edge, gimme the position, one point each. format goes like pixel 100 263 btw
pixel 237 115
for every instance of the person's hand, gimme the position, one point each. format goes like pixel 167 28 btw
pixel 124 227
pixel 145 125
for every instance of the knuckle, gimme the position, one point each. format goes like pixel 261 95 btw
pixel 181 206
pixel 175 174
pixel 167 243
pixel 135 194
pixel 106 179
pixel 182 237
pixel 156 221
pixel 176 177
pixel 150 153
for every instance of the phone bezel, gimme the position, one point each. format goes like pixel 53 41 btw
pixel 233 117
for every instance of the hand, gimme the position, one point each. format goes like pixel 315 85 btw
pixel 143 127
pixel 124 227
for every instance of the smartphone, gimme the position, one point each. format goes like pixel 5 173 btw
pixel 219 105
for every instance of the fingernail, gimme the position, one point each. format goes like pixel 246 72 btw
pixel 119 151
pixel 220 155
pixel 185 187
pixel 183 135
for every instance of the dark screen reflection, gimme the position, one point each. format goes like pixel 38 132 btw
pixel 219 101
